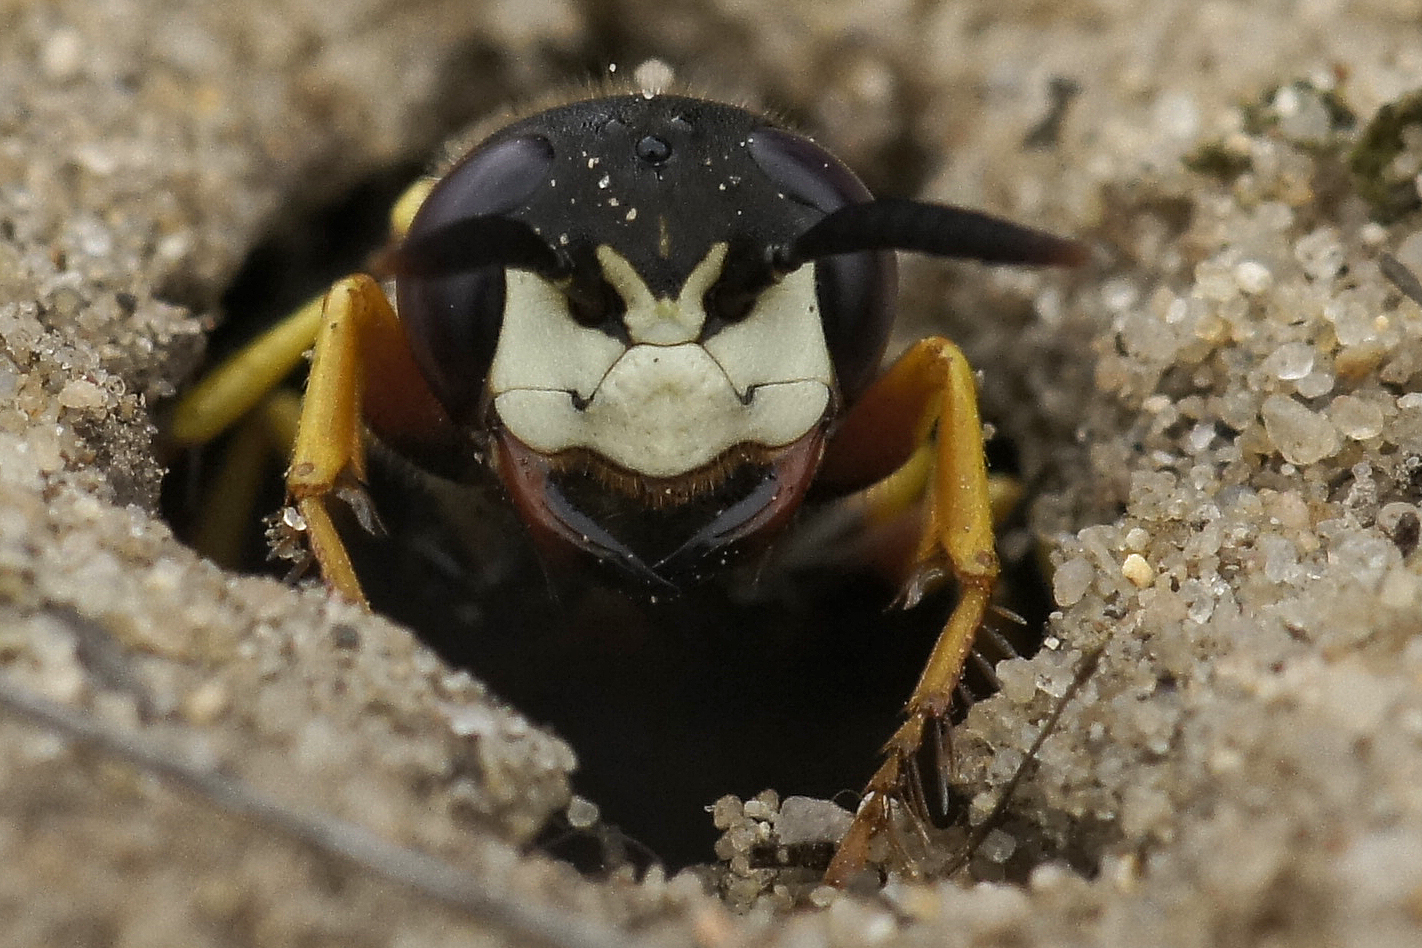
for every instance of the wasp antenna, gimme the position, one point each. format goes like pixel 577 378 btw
pixel 901 224
pixel 470 243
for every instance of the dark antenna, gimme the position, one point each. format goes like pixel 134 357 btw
pixel 937 229
pixel 470 243
pixel 884 224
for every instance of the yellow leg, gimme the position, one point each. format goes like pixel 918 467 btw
pixel 226 513
pixel 330 450
pixel 1005 493
pixel 935 380
pixel 359 335
pixel 236 386
pixel 243 391
pixel 403 212
pixel 240 384
pixel 899 492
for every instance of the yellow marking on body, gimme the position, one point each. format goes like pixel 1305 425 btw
pixel 669 404
pixel 661 321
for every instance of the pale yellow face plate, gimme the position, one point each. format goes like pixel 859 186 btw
pixel 666 403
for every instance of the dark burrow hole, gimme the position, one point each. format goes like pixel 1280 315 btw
pixel 786 681
pixel 790 682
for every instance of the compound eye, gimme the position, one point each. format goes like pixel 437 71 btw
pixel 452 321
pixel 855 290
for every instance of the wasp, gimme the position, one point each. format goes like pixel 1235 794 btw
pixel 657 322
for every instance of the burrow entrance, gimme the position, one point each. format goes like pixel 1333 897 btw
pixel 788 681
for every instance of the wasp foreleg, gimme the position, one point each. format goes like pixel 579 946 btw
pixel 929 395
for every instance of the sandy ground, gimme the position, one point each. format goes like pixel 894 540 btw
pixel 1219 423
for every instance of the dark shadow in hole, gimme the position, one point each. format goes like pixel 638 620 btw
pixel 791 685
